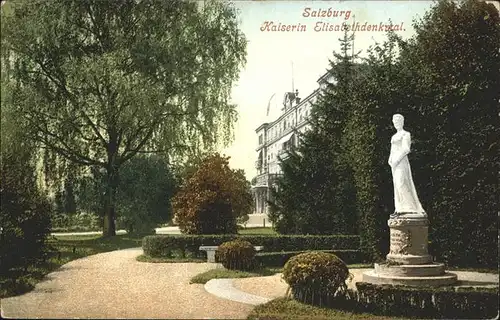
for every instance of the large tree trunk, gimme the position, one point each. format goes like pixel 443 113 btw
pixel 109 228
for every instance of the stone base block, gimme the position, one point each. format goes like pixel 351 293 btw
pixel 410 259
pixel 408 239
pixel 420 270
pixel 441 280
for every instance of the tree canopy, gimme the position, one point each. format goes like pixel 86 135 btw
pixel 444 80
pixel 97 82
pixel 315 194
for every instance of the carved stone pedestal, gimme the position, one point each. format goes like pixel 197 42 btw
pixel 408 262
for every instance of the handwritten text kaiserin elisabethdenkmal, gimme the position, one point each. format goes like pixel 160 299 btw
pixel 322 25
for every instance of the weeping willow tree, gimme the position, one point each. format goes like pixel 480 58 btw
pixel 99 82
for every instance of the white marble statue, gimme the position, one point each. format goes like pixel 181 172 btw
pixel 405 195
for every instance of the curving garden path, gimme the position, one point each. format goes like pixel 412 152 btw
pixel 114 285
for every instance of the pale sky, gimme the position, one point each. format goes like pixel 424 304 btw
pixel 270 56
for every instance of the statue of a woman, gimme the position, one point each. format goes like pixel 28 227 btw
pixel 405 195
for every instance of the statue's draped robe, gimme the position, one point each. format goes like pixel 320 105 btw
pixel 405 194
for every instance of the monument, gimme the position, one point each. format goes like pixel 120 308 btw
pixel 408 261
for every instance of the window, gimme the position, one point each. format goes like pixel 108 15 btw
pixel 260 139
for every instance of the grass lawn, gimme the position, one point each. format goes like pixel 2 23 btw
pixel 146 258
pixel 225 273
pixel 257 230
pixel 289 309
pixel 69 248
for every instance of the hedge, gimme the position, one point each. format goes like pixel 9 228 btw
pixel 419 302
pixel 186 245
pixel 278 259
pixel 74 229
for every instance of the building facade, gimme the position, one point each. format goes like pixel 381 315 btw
pixel 276 138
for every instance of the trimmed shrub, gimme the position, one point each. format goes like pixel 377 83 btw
pixel 236 255
pixel 414 302
pixel 75 222
pixel 163 245
pixel 212 199
pixel 429 302
pixel 316 274
pixel 279 259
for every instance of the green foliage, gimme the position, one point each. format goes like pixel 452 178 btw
pixel 145 189
pixel 279 259
pixel 91 189
pixel 213 198
pixel 163 245
pixel 413 302
pixel 449 70
pixel 236 255
pixel 98 82
pixel 312 274
pixel 444 80
pixel 449 94
pixel 25 210
pixel 24 218
pixel 75 222
pixel 66 199
pixel 428 302
pixel 315 194
pixel 366 146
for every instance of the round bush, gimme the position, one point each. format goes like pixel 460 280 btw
pixel 212 198
pixel 236 255
pixel 313 275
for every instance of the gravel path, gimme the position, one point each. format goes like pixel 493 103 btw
pixel 114 285
pixel 269 287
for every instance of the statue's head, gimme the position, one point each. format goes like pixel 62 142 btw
pixel 398 120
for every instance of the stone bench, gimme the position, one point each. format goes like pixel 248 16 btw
pixel 211 251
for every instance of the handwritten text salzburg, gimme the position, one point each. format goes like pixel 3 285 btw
pixel 326 13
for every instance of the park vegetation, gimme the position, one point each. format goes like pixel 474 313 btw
pixel 97 83
pixel 444 80
pixel 236 255
pixel 312 274
pixel 102 108
pixel 212 198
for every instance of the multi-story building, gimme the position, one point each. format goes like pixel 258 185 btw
pixel 274 139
